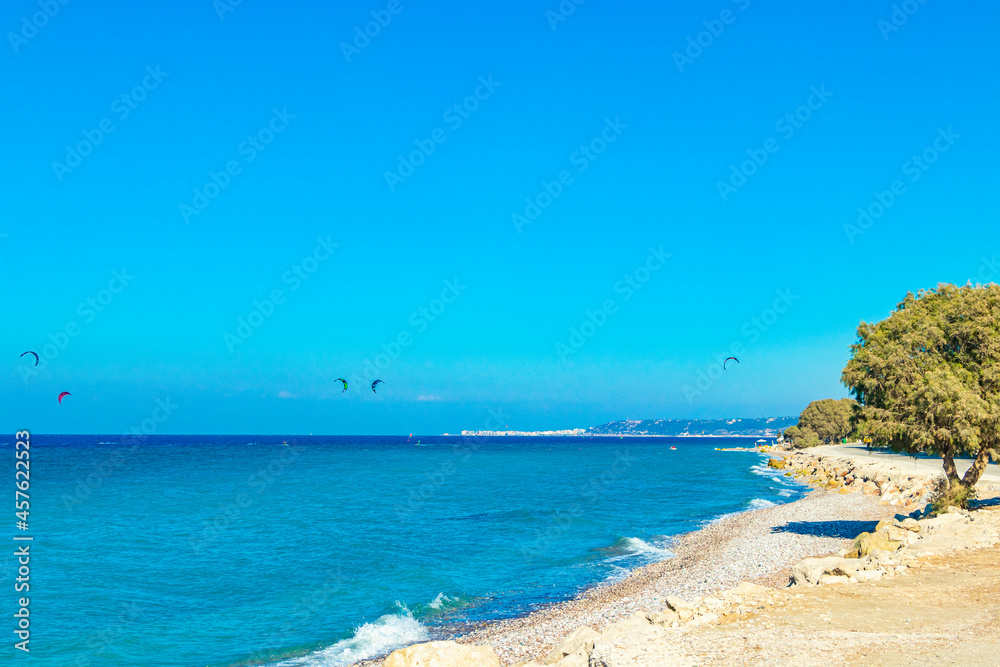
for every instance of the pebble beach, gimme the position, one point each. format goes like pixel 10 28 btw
pixel 757 546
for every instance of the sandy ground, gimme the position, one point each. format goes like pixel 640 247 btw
pixel 944 612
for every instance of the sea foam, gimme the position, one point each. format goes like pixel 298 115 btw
pixel 370 640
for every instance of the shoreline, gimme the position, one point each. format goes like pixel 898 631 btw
pixel 740 565
pixel 757 545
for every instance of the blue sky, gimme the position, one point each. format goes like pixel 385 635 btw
pixel 623 146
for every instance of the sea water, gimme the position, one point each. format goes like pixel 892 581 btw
pixel 319 551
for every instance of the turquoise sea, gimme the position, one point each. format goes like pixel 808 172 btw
pixel 318 551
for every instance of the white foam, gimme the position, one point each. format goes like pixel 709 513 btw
pixel 370 640
pixel 634 546
pixel 755 504
pixel 439 600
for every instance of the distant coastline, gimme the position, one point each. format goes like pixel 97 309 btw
pixel 763 427
pixel 584 433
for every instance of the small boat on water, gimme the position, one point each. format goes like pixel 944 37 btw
pixel 673 448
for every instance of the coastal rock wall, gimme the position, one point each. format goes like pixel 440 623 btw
pixel 895 546
pixel 893 487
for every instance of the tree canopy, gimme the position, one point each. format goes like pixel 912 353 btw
pixel 928 376
pixel 826 420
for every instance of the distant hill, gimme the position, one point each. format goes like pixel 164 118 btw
pixel 765 427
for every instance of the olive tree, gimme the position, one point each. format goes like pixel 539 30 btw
pixel 928 378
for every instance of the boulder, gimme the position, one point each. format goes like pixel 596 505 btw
pixel 580 640
pixel 827 579
pixel 809 570
pixel 867 575
pixel 443 654
pixel 865 543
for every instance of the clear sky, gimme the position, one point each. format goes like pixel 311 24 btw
pixel 211 154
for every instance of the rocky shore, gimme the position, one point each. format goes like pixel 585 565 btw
pixel 862 525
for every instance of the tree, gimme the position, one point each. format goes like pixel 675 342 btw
pixel 801 437
pixel 827 420
pixel 928 378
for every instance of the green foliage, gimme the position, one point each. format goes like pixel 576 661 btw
pixel 928 376
pixel 945 495
pixel 801 437
pixel 827 420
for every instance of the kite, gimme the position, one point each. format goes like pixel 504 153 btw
pixel 344 381
pixel 724 362
pixel 373 385
pixel 34 353
pixel 63 395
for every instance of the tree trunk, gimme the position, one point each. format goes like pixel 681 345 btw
pixel 973 474
pixel 947 456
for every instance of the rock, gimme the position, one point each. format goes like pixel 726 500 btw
pixel 828 579
pixel 666 618
pixel 634 648
pixel 676 604
pixel 883 523
pixel 748 590
pixel 809 570
pixel 443 654
pixel 634 623
pixel 896 533
pixel 910 524
pixel 574 660
pixel 775 463
pixel 848 567
pixel 946 522
pixel 866 542
pixel 580 640
pixel 881 558
pixel 704 619
pixel 867 575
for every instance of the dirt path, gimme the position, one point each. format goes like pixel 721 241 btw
pixel 907 464
pixel 941 613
